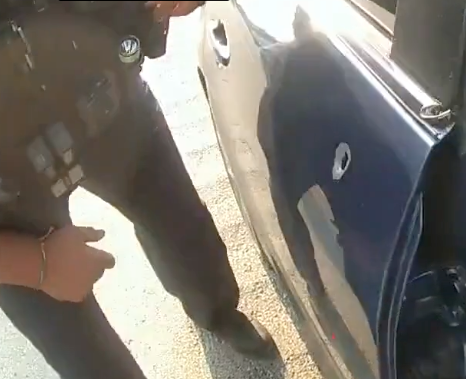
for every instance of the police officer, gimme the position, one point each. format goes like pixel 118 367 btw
pixel 47 275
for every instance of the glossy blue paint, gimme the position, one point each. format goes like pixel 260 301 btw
pixel 289 97
pixel 458 235
pixel 337 101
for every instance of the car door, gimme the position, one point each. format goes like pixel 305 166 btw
pixel 321 133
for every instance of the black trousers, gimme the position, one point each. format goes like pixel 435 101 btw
pixel 136 167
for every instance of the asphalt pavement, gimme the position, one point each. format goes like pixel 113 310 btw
pixel 151 322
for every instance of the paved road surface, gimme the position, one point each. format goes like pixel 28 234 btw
pixel 151 322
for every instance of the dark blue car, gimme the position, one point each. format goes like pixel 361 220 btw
pixel 342 127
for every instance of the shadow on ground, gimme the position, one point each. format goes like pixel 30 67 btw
pixel 224 363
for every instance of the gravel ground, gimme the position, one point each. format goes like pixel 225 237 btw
pixel 164 341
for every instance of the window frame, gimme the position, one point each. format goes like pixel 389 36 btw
pixel 428 44
pixel 382 19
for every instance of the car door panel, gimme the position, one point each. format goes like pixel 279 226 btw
pixel 327 162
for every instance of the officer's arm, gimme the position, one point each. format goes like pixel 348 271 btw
pixel 20 259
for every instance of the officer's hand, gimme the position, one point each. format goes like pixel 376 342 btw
pixel 72 266
pixel 162 9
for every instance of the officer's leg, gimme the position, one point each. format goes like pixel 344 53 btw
pixel 75 339
pixel 176 230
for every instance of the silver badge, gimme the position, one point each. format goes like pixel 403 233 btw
pixel 130 50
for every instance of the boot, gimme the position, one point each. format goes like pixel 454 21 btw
pixel 248 338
